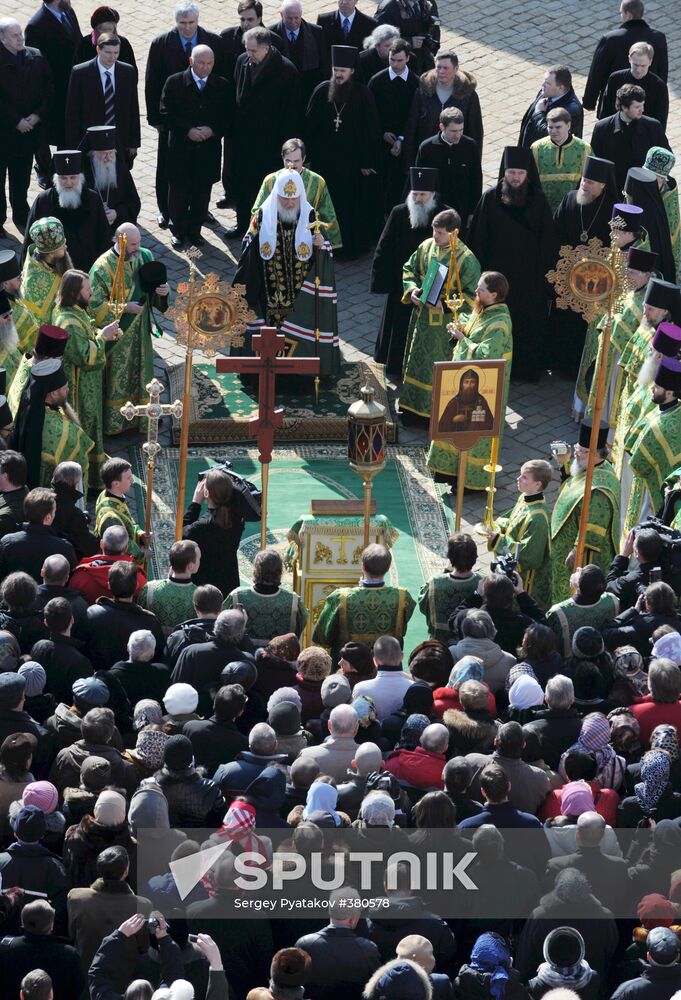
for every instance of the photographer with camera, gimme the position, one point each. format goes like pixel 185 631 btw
pixel 634 627
pixel 495 595
pixel 627 584
pixel 217 532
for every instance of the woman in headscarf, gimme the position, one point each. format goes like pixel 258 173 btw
pixel 654 797
pixel 276 664
pixel 410 734
pixel 564 966
pixel 418 700
pixel 625 734
pixel 525 699
pixel 669 648
pixel 148 753
pixel 468 668
pixel 489 975
pixel 370 730
pixel 631 681
pixel 321 802
pixel 594 736
pixel 576 798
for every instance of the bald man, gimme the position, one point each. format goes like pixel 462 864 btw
pixel 198 107
pixel 129 360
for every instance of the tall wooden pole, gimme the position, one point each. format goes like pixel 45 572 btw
pixel 264 483
pixel 593 440
pixel 460 486
pixel 184 439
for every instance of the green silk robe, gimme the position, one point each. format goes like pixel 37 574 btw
pixel 39 286
pixel 527 525
pixel 635 339
pixel 170 600
pixel 269 615
pixel 63 441
pixel 114 510
pixel 565 618
pixel 488 336
pixel 363 614
pixel 602 530
pixel 317 195
pixel 26 324
pixel 439 597
pixel 560 167
pixel 654 457
pixel 428 339
pixel 670 200
pixel 84 361
pixel 130 360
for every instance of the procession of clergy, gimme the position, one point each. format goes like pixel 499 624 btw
pixel 69 364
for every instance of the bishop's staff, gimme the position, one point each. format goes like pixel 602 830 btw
pixel 453 302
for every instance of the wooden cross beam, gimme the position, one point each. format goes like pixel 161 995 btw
pixel 268 363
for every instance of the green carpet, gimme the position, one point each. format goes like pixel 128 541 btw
pixel 221 408
pixel 404 492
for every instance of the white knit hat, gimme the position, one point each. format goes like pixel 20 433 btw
pixel 110 808
pixel 181 699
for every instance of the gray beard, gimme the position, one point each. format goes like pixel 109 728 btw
pixel 288 215
pixel 419 215
pixel 9 338
pixel 576 467
pixel 585 197
pixel 648 370
pixel 68 199
pixel 104 175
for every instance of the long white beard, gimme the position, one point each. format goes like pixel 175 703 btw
pixel 419 215
pixel 289 215
pixel 68 199
pixel 104 175
pixel 576 467
pixel 585 197
pixel 9 338
pixel 648 370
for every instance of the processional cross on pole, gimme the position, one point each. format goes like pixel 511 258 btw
pixel 267 365
pixel 153 410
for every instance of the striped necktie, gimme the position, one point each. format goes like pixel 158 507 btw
pixel 109 109
pixel 346 27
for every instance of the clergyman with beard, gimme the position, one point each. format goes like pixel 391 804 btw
pixel 79 209
pixel 281 257
pixel 108 174
pixel 603 527
pixel 343 139
pixel 512 232
pixel 468 410
pixel 46 260
pixel 407 226
pixel 24 320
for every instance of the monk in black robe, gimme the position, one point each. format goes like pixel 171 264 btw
pixel 468 410
pixel 107 173
pixel 512 232
pixel 407 226
pixel 343 140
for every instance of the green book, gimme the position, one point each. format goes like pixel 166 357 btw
pixel 436 275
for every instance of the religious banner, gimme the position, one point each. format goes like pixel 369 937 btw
pixel 468 401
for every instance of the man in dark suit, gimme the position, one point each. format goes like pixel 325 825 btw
pixel 302 43
pixel 639 73
pixel 169 54
pixel 197 107
pixel 613 49
pixel 104 92
pixel 626 136
pixel 55 31
pixel 25 96
pixel 249 13
pixel 556 92
pixel 393 89
pixel 346 26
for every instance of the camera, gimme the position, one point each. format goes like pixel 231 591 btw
pixel 506 564
pixel 152 924
pixel 246 498
pixel 669 569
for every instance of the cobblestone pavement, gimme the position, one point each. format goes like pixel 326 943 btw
pixel 507 46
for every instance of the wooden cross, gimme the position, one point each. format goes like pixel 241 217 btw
pixel 268 345
pixel 153 410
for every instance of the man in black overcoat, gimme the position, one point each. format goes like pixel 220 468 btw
pixel 168 54
pixel 25 95
pixel 86 98
pixel 407 226
pixel 457 157
pixel 303 43
pixel 640 74
pixel 556 92
pixel 626 136
pixel 346 26
pixel 612 51
pixel 197 107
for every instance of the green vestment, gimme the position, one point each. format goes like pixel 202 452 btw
pixel 63 441
pixel 317 195
pixel 27 326
pixel 635 340
pixel 39 286
pixel 487 337
pixel 439 597
pixel 586 368
pixel 567 616
pixel 114 510
pixel 654 457
pixel 560 167
pixel 130 360
pixel 602 530
pixel 670 200
pixel 428 338
pixel 363 614
pixel 269 615
pixel 527 526
pixel 84 361
pixel 170 600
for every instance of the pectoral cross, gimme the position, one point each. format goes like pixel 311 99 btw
pixel 337 121
pixel 153 410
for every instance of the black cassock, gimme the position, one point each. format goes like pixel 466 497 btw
pixel 393 102
pixel 123 198
pixel 340 155
pixel 86 229
pixel 395 246
pixel 568 328
pixel 519 241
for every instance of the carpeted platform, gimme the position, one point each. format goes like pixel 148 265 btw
pixel 405 493
pixel 221 407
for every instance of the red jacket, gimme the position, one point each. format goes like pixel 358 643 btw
pixel 654 713
pixel 446 697
pixel 421 768
pixel 605 799
pixel 91 576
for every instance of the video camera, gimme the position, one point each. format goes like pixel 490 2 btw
pixel 246 498
pixel 670 557
pixel 506 564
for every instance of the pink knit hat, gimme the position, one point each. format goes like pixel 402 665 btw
pixel 42 794
pixel 576 798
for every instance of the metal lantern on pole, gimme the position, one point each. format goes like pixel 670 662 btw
pixel 366 445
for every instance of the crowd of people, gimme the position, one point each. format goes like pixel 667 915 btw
pixel 143 722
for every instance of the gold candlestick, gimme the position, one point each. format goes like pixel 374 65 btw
pixel 488 523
